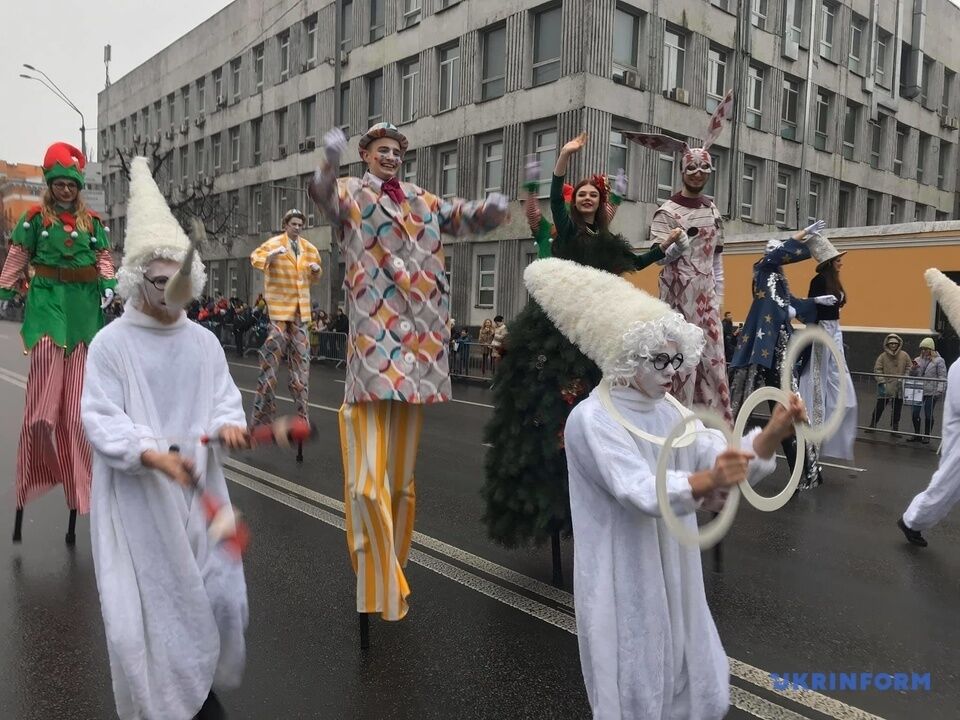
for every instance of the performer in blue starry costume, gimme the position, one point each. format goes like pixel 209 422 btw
pixel 762 344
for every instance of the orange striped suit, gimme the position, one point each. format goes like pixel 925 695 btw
pixel 288 278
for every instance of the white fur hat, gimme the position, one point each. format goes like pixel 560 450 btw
pixel 614 323
pixel 152 233
pixel 946 292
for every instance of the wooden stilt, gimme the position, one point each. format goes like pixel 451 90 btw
pixel 300 452
pixel 557 563
pixel 71 528
pixel 364 630
pixel 17 525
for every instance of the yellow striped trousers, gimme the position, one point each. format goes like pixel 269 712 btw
pixel 379 444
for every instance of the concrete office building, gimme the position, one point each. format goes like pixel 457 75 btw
pixel 845 110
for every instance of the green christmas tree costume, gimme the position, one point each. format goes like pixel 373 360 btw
pixel 541 378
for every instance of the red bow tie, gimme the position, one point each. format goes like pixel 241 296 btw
pixel 392 188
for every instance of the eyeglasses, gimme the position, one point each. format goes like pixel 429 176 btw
pixel 661 360
pixel 160 283
pixel 64 185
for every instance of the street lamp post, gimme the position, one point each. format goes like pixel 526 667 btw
pixel 55 89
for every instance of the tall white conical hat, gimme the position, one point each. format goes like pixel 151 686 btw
pixel 946 292
pixel 614 323
pixel 152 233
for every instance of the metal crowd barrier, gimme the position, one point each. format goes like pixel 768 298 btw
pixel 472 360
pixel 328 345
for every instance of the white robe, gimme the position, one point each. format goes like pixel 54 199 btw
pixel 820 390
pixel 649 649
pixel 174 606
pixel 932 505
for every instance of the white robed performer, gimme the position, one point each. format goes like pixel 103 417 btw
pixel 648 645
pixel 174 603
pixel 932 505
pixel 821 377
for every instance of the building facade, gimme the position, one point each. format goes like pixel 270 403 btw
pixel 21 187
pixel 845 110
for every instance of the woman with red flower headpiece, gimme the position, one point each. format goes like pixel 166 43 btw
pixel 542 375
pixel 73 277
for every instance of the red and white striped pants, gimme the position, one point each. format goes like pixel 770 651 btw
pixel 53 448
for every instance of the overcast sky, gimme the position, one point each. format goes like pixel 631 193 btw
pixel 65 39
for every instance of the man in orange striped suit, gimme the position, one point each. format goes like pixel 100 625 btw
pixel 290 264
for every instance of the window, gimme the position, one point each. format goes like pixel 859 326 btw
pixel 346 22
pixel 923 150
pixel 710 187
pixel 821 131
pixel 199 159
pixel 674 50
pixel 408 171
pixel 722 4
pixel 858 29
pixel 546 46
pixel 843 205
pixel 626 42
pixel 943 163
pixel 896 210
pixel 256 207
pixel 925 80
pixel 491 161
pixel 233 202
pixel 758 13
pixel 948 79
pixel 235 148
pixel 813 200
pixel 184 168
pixel 880 71
pixel 448 173
pixel 827 19
pixel 171 113
pixel 493 73
pixel 873 209
pixel 795 23
pixel 616 153
pixel 377 22
pixel 789 104
pixel 201 96
pixel 747 190
pixel 486 280
pixel 783 198
pixel 217 154
pixel 308 206
pixel 409 71
pixel 411 12
pixel 374 99
pixel 449 77
pixel 308 115
pixel 281 127
pixel 665 175
pixel 219 97
pixel 876 143
pixel 544 145
pixel 283 41
pixel 716 77
pixel 280 199
pixel 235 79
pixel 345 108
pixel 258 66
pixel 850 117
pixel 448 269
pixel 310 39
pixel 256 133
pixel 919 212
pixel 156 116
pixel 900 149
pixel 754 96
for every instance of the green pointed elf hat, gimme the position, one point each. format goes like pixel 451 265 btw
pixel 64 161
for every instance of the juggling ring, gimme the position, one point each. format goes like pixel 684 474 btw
pixel 708 535
pixel 808 336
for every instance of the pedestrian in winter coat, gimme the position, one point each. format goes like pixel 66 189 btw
pixel 891 365
pixel 932 368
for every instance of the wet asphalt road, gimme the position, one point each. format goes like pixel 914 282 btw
pixel 826 584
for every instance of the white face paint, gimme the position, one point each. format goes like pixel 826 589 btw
pixel 157 273
pixel 652 382
pixel 774 245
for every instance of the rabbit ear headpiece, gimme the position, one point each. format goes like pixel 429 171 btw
pixel 694 159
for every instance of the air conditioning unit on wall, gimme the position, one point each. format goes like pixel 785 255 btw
pixel 680 95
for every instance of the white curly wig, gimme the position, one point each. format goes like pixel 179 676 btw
pixel 152 233
pixel 614 323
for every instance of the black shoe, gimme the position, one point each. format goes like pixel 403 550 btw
pixel 913 438
pixel 924 441
pixel 212 709
pixel 913 536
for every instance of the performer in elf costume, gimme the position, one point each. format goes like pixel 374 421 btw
pixel 398 302
pixel 73 278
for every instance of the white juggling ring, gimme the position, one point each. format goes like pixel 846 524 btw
pixel 808 336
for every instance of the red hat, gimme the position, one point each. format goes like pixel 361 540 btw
pixel 63 160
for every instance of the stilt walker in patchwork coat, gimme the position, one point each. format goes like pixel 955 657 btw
pixel 290 264
pixel 692 280
pixel 398 303
pixel 73 278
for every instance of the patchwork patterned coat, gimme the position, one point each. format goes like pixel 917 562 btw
pixel 398 295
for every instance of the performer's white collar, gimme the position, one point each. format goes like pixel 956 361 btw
pixel 634 400
pixel 137 317
pixel 372 180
